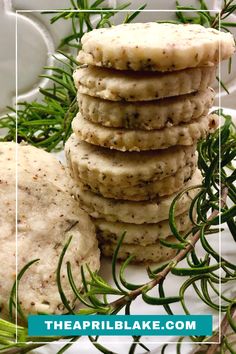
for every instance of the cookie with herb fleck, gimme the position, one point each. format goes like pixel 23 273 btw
pixel 150 115
pixel 148 191
pixel 139 140
pixel 154 253
pixel 151 211
pixel 155 46
pixel 132 86
pixel 47 216
pixel 144 234
pixel 97 165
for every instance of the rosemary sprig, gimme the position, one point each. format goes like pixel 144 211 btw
pixel 204 17
pixel 222 334
pixel 46 124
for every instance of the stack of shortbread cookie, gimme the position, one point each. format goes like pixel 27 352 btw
pixel 144 98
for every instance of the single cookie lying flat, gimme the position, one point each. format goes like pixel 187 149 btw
pixel 155 46
pixel 47 216
pixel 32 157
pixel 97 165
pixel 146 115
pixel 154 253
pixel 135 212
pixel 117 85
pixel 138 140
pixel 144 234
pixel 152 190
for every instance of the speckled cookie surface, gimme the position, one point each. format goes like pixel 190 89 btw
pixel 154 253
pixel 47 217
pixel 125 211
pixel 155 46
pixel 131 86
pixel 146 115
pixel 152 190
pixel 140 140
pixel 52 169
pixel 144 234
pixel 96 165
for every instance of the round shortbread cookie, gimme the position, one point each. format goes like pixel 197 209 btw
pixel 144 234
pixel 155 46
pixel 146 115
pixel 106 167
pixel 138 140
pixel 117 85
pixel 165 186
pixel 47 215
pixel 135 212
pixel 155 253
